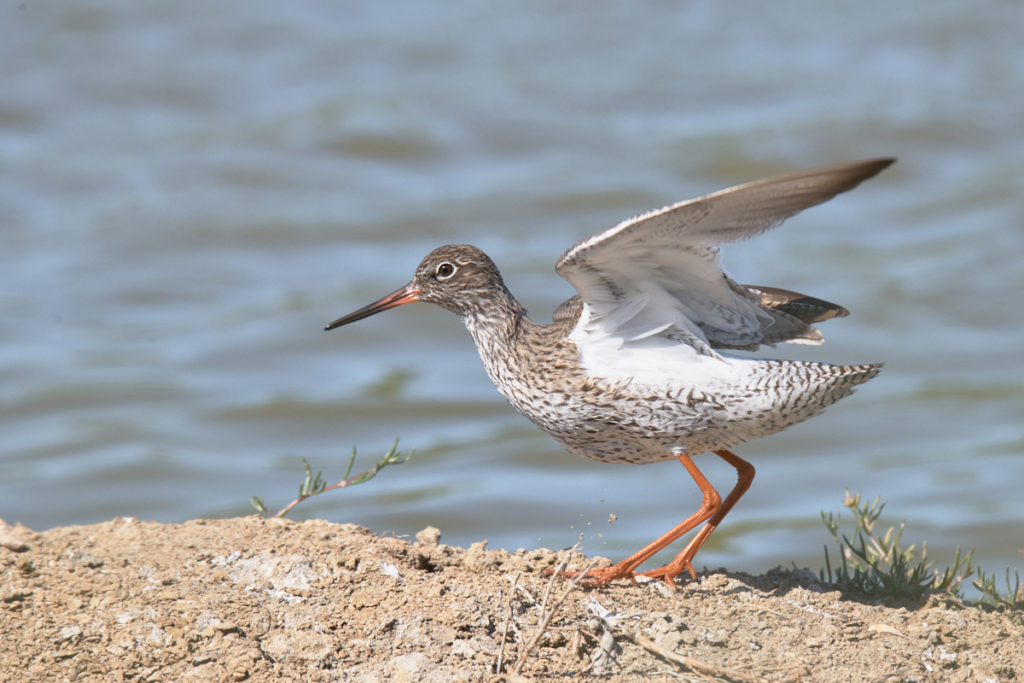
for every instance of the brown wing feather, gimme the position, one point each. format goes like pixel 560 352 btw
pixel 805 308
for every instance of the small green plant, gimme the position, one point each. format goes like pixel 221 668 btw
pixel 993 598
pixel 314 485
pixel 878 565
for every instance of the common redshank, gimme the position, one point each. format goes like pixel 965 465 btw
pixel 636 368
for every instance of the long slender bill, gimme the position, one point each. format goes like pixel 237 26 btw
pixel 405 295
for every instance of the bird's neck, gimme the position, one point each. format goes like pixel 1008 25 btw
pixel 503 336
pixel 497 322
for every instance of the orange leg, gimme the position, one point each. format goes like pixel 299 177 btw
pixel 711 507
pixel 684 560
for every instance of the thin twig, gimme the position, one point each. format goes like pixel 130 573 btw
pixel 549 614
pixel 692 664
pixel 504 632
pixel 555 574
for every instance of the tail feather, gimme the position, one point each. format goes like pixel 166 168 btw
pixel 801 390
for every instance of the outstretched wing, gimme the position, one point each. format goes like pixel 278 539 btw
pixel 659 274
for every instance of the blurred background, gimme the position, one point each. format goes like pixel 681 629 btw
pixel 189 191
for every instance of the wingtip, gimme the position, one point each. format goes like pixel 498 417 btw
pixel 873 167
pixel 869 168
pixel 885 162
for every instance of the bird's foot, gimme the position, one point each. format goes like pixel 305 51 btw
pixel 592 578
pixel 672 570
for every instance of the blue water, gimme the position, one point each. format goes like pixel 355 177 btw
pixel 190 190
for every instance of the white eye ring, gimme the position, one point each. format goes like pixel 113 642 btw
pixel 445 270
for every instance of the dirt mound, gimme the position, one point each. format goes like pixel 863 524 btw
pixel 269 600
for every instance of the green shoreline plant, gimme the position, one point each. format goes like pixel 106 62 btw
pixel 314 485
pixel 876 564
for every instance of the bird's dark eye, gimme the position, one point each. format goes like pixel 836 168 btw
pixel 444 271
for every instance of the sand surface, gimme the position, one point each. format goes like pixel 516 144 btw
pixel 251 599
